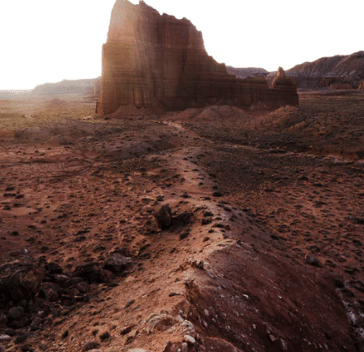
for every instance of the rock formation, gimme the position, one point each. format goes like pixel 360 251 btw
pixel 157 61
pixel 361 85
pixel 326 71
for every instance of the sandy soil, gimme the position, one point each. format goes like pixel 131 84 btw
pixel 265 252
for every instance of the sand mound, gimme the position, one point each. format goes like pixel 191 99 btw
pixel 211 113
pixel 55 103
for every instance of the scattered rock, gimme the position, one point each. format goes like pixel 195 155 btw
pixel 91 345
pixel 15 313
pixel 21 338
pixel 105 336
pixel 313 261
pixel 183 218
pixel 358 220
pixel 117 263
pixel 126 329
pixel 91 272
pixel 217 194
pixel 161 322
pixel 131 336
pixel 190 339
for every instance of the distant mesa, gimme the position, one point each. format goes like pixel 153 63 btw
pixel 156 61
pixel 246 72
pixel 80 86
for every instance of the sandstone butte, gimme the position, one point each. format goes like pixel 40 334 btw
pixel 156 61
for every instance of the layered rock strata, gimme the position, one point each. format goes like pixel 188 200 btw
pixel 327 71
pixel 157 61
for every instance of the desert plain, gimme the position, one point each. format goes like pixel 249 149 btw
pixel 211 229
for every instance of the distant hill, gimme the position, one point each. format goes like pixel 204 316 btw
pixel 80 86
pixel 246 72
pixel 328 71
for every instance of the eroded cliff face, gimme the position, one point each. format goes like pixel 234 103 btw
pixel 157 61
pixel 330 71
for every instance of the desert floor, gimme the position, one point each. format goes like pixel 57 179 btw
pixel 264 253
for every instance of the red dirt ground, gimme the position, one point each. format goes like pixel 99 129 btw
pixel 268 257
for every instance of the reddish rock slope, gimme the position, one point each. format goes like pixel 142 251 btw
pixel 154 61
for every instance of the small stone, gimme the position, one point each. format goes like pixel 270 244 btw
pixel 161 322
pixel 15 313
pixel 35 325
pixel 129 303
pixel 190 339
pixel 91 345
pixel 131 336
pixel 283 345
pixel 117 263
pixel 105 336
pixel 21 338
pixel 52 295
pixel 272 337
pixel 3 319
pixel 4 338
pixel 313 261
pixel 26 348
pixel 184 347
pixel 126 330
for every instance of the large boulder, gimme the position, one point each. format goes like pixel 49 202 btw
pixel 19 280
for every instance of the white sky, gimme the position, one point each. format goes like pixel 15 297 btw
pixel 51 40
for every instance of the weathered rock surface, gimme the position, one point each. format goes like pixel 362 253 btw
pixel 326 71
pixel 154 61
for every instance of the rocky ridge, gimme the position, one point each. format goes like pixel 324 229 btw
pixel 327 71
pixel 246 71
pixel 80 86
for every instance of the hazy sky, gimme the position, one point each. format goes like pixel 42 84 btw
pixel 51 40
